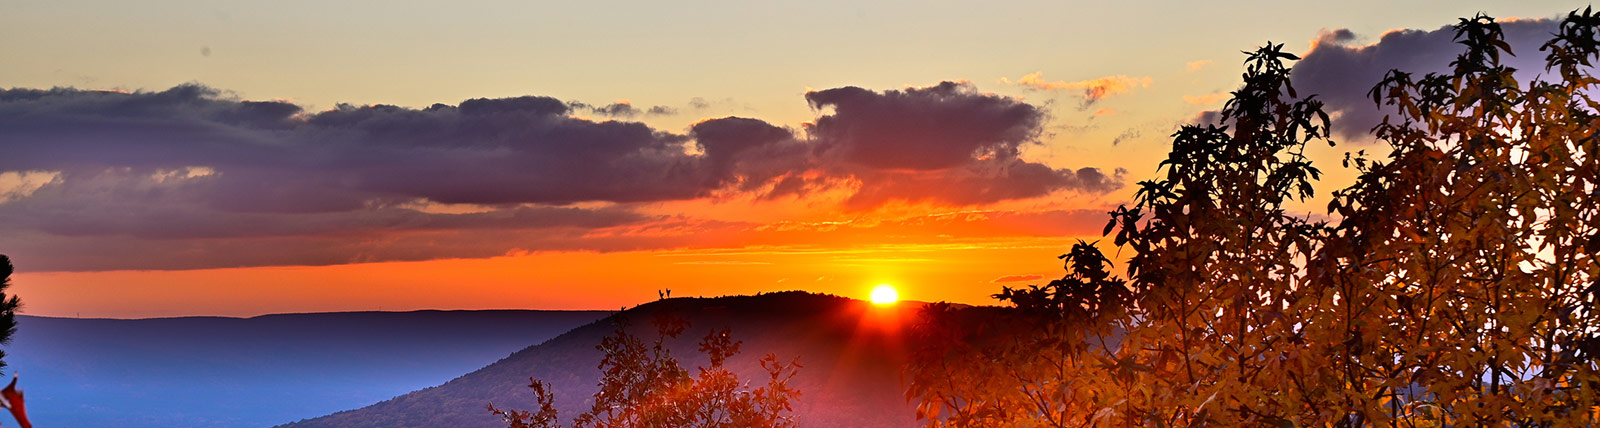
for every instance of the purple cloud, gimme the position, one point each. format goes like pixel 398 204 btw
pixel 190 178
pixel 944 143
pixel 935 127
pixel 1341 72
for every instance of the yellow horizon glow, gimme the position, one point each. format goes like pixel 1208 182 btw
pixel 540 280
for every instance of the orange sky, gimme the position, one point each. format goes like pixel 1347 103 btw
pixel 558 280
pixel 929 252
pixel 198 158
pixel 702 247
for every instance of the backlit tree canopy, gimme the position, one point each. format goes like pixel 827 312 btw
pixel 643 385
pixel 1454 284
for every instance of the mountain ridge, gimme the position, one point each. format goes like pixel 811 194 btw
pixel 850 352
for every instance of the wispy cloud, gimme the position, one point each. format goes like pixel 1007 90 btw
pixel 1205 100
pixel 622 109
pixel 1017 278
pixel 1094 90
pixel 1193 66
pixel 21 184
pixel 1126 135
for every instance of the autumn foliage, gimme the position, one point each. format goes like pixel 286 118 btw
pixel 642 385
pixel 1453 284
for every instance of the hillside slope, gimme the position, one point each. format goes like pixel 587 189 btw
pixel 207 372
pixel 851 353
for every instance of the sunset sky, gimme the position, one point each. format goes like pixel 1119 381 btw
pixel 171 158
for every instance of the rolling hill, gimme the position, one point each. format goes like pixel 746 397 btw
pixel 851 353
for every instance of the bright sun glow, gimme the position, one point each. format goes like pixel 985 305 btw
pixel 884 294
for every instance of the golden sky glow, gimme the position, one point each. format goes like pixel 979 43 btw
pixel 563 280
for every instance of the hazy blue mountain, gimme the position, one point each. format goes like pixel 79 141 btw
pixel 255 372
pixel 852 353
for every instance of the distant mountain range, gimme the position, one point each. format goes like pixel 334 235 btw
pixel 852 353
pixel 211 372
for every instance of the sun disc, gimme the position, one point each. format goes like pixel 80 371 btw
pixel 884 294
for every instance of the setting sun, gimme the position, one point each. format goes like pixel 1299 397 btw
pixel 884 294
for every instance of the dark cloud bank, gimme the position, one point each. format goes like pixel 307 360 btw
pixel 187 178
pixel 1340 70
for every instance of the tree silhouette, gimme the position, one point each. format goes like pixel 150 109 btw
pixel 1191 337
pixel 10 396
pixel 644 386
pixel 1456 284
pixel 8 306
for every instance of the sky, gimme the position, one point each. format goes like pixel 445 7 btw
pixel 175 158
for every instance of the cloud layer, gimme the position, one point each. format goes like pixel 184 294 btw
pixel 188 178
pixel 945 143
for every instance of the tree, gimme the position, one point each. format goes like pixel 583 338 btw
pixel 1471 250
pixel 10 396
pixel 8 306
pixel 644 386
pixel 1194 336
pixel 1456 284
pixel 1031 365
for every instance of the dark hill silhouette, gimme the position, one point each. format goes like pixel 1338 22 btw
pixel 255 372
pixel 852 353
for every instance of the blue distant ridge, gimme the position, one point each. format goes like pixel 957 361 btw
pixel 215 372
